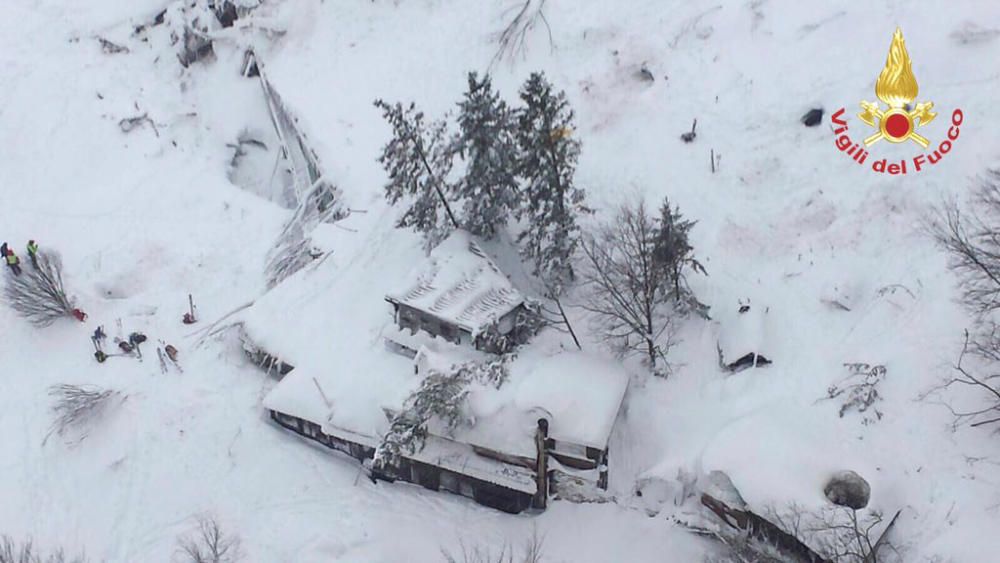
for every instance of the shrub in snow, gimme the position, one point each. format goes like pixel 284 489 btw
pixel 38 293
pixel 78 407
pixel 209 544
pixel 12 552
pixel 847 488
pixel 839 534
pixel 859 390
pixel 530 552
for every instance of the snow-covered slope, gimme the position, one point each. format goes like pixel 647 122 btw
pixel 144 218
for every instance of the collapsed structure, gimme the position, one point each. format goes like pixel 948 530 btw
pixel 542 431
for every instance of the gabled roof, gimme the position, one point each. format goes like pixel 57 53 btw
pixel 459 284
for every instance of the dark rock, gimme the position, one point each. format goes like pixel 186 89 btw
pixel 812 117
pixel 847 488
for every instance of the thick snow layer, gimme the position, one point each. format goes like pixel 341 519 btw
pixel 460 284
pixel 578 393
pixel 144 218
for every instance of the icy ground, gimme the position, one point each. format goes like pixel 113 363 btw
pixel 144 218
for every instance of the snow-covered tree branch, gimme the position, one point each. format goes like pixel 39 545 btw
pixel 38 293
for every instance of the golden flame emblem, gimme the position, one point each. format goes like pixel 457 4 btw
pixel 897 87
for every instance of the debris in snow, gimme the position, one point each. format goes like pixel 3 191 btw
pixel 742 338
pixel 720 486
pixel 747 525
pixel 847 488
pixel 813 117
pixel 111 48
pixel 836 305
pixel 189 317
pixel 644 75
pixel 77 407
pixel 972 33
pixel 690 135
pixel 512 39
pixel 127 124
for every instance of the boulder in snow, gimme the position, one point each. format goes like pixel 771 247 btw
pixel 847 488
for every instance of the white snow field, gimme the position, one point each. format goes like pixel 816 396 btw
pixel 141 219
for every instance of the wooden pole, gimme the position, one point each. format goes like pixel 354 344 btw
pixel 191 305
pixel 541 465
pixel 712 153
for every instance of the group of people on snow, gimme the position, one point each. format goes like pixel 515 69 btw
pixel 14 262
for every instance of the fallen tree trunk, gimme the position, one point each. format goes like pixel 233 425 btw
pixel 760 529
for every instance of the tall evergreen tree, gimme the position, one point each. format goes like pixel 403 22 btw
pixel 674 254
pixel 418 159
pixel 547 162
pixel 487 144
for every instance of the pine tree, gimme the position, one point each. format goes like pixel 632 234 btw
pixel 488 145
pixel 441 396
pixel 673 253
pixel 547 162
pixel 418 159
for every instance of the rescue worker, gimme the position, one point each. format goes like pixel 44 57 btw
pixel 13 262
pixel 33 253
pixel 3 250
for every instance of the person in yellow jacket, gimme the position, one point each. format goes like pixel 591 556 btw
pixel 13 262
pixel 33 252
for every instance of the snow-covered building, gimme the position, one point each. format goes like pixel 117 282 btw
pixel 519 442
pixel 742 339
pixel 459 295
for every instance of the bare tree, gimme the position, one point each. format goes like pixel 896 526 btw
pixel 628 292
pixel 987 410
pixel 209 543
pixel 38 293
pixel 77 407
pixel 12 552
pixel 972 241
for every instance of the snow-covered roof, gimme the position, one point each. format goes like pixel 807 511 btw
pixel 459 284
pixel 345 376
pixel 744 331
pixel 578 394
pixel 460 458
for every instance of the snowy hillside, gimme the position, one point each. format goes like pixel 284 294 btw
pixel 834 252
